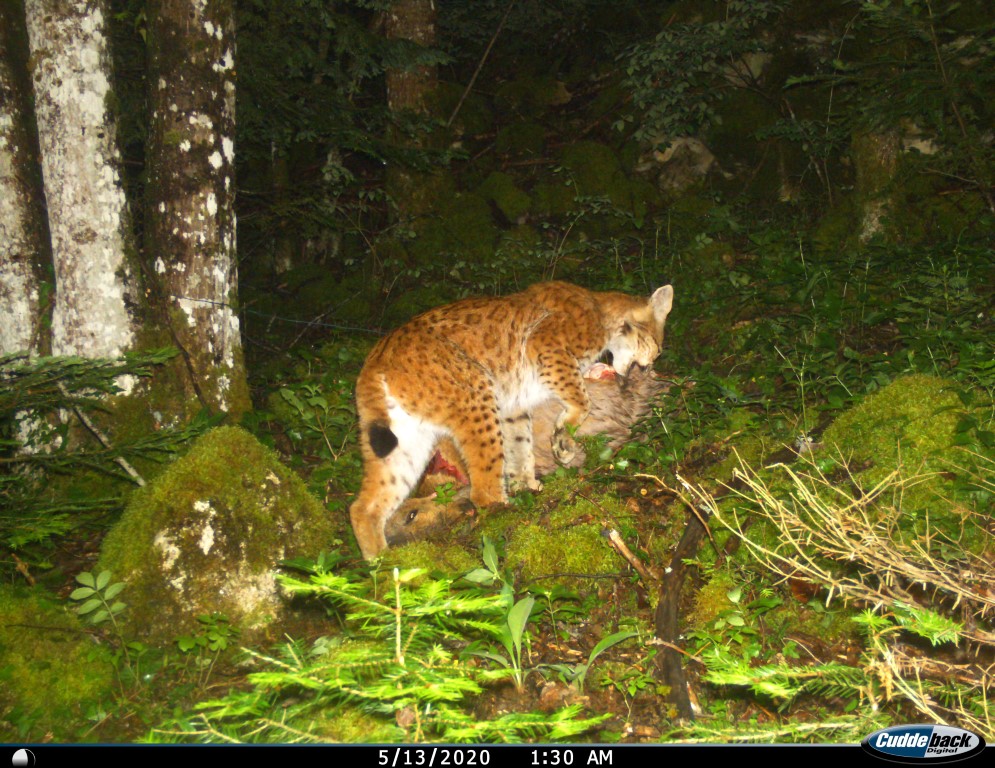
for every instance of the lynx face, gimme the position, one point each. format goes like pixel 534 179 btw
pixel 474 372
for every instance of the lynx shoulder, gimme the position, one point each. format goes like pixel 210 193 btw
pixel 474 372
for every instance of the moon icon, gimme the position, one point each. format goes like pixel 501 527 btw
pixel 23 757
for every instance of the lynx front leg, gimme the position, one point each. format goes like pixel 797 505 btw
pixel 519 456
pixel 560 374
pixel 478 435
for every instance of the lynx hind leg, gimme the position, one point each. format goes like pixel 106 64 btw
pixel 388 480
pixel 519 453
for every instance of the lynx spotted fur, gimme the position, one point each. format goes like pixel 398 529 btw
pixel 475 371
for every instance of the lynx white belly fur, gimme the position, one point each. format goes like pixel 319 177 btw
pixel 474 371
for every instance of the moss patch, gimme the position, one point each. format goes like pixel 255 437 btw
pixel 51 672
pixel 433 556
pixel 521 139
pixel 568 541
pixel 500 189
pixel 463 229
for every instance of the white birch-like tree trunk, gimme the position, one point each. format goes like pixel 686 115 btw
pixel 190 217
pixel 87 212
pixel 24 255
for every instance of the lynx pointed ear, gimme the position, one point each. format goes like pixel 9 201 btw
pixel 662 300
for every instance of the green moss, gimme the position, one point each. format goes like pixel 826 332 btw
pixel 349 725
pixel 207 534
pixel 911 422
pixel 500 189
pixel 530 95
pixel 594 167
pixel 452 560
pixel 522 139
pixel 521 245
pixel 570 541
pixel 597 172
pixel 51 672
pixel 711 601
pixel 909 427
pixel 419 194
pixel 461 228
pixel 474 116
pixel 837 230
pixel 554 198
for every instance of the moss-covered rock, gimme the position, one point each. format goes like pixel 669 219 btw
pixel 500 189
pixel 433 556
pixel 554 198
pixel 207 536
pixel 474 116
pixel 52 674
pixel 524 139
pixel 596 171
pixel 909 428
pixel 530 95
pixel 909 423
pixel 462 228
pixel 522 246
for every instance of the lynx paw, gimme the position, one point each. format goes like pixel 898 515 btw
pixel 566 450
pixel 519 484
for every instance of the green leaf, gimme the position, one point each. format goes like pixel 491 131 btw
pixel 86 579
pixel 89 605
pixel 82 593
pixel 608 642
pixel 103 579
pixel 479 576
pixel 518 617
pixel 113 590
pixel 490 555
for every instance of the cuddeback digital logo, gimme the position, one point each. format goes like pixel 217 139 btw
pixel 923 743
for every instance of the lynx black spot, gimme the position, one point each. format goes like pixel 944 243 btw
pixel 382 440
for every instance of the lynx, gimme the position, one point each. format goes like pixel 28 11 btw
pixel 616 405
pixel 475 371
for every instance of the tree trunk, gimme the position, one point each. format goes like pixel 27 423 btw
pixel 190 218
pixel 87 213
pixel 25 257
pixel 412 20
pixel 875 157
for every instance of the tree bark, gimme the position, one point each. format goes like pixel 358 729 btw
pixel 25 256
pixel 87 213
pixel 412 20
pixel 190 218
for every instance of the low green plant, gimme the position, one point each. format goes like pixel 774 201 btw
pixel 577 673
pixel 96 604
pixel 399 664
pixel 214 638
pixel 511 630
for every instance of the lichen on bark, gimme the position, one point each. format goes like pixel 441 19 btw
pixel 190 233
pixel 88 217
